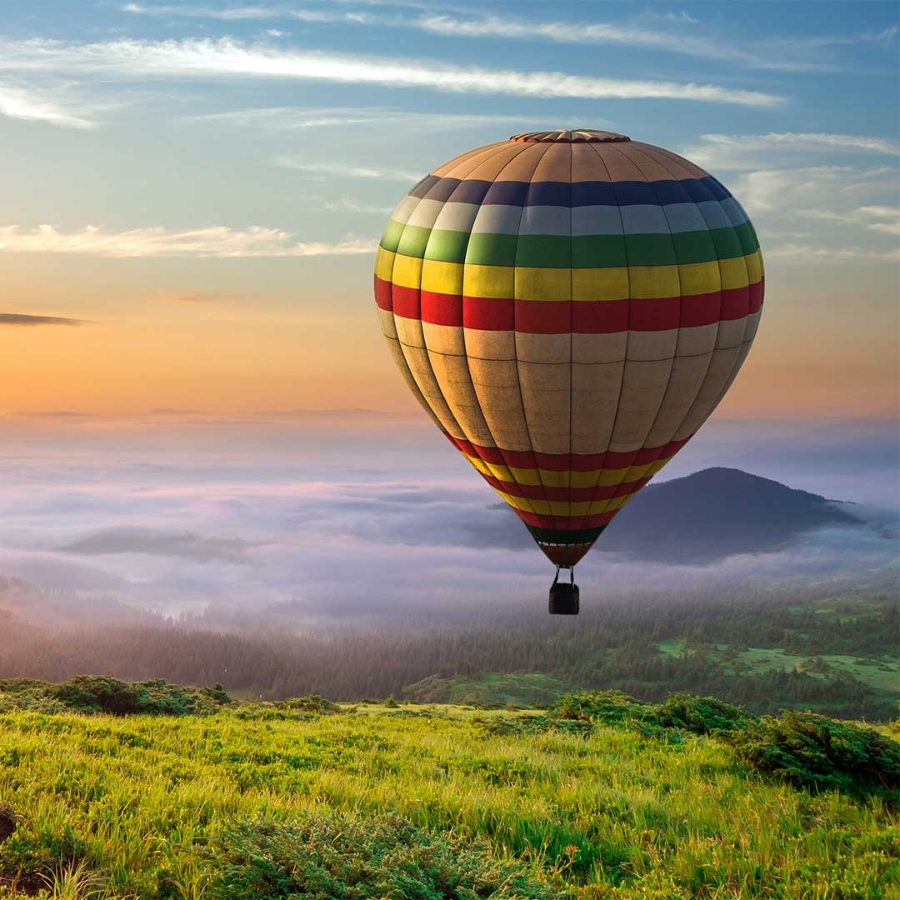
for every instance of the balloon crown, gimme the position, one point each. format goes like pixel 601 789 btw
pixel 581 136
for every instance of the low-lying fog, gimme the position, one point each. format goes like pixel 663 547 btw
pixel 346 512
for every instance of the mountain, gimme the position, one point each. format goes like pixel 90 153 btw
pixel 717 513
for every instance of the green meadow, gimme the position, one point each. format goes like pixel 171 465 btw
pixel 305 798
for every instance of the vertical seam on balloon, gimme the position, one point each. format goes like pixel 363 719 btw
pixel 525 148
pixel 401 343
pixel 680 305
pixel 602 469
pixel 537 468
pixel 715 342
pixel 731 372
pixel 476 159
pixel 738 362
pixel 440 391
pixel 712 352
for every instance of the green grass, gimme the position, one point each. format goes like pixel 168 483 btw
pixel 173 807
pixel 883 674
pixel 490 689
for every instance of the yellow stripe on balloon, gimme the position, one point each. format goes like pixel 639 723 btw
pixel 526 283
pixel 600 284
pixel 407 271
pixel 562 508
pixel 556 478
pixel 384 263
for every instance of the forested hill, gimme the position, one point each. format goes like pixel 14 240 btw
pixel 717 513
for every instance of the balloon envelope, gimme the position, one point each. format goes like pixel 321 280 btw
pixel 569 307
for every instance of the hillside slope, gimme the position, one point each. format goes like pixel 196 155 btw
pixel 716 513
pixel 279 801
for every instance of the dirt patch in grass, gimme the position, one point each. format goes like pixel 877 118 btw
pixel 8 822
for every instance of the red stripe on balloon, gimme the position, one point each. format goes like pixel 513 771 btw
pixel 564 462
pixel 577 317
pixel 565 523
pixel 572 495
pixel 442 309
pixel 383 294
pixel 406 302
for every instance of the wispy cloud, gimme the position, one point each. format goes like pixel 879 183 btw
pixel 797 176
pixel 184 545
pixel 186 297
pixel 344 170
pixel 23 319
pixel 884 219
pixel 738 151
pixel 775 53
pixel 27 103
pixel 256 13
pixel 225 57
pixel 217 242
pixel 674 41
pixel 298 118
pixel 791 189
pixel 805 252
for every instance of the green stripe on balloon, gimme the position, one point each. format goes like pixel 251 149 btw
pixel 594 251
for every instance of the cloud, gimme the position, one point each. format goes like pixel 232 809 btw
pixel 185 297
pixel 183 545
pixel 226 57
pixel 18 102
pixel 251 13
pixel 407 523
pixel 23 319
pixel 743 151
pixel 883 219
pixel 805 253
pixel 789 180
pixel 344 171
pixel 217 242
pixel 785 54
pixel 676 41
pixel 298 118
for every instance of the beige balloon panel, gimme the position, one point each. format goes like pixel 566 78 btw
pixel 561 393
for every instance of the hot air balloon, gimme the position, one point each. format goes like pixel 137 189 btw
pixel 569 307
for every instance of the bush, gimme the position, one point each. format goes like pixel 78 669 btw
pixel 603 707
pixel 670 721
pixel 701 715
pixel 354 858
pixel 104 694
pixel 822 754
pixel 311 704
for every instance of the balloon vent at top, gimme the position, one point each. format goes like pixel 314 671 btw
pixel 584 136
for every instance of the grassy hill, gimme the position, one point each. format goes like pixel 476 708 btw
pixel 600 797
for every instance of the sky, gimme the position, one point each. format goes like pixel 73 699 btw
pixel 193 192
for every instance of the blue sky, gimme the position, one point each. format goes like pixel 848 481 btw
pixel 216 174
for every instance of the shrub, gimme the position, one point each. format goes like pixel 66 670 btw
pixel 104 694
pixel 355 858
pixel 311 704
pixel 820 753
pixel 604 707
pixel 701 715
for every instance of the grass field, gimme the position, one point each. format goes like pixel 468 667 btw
pixel 174 807
pixel 881 673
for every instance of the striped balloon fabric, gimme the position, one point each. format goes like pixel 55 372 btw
pixel 569 307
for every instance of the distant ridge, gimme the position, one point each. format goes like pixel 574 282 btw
pixel 716 513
